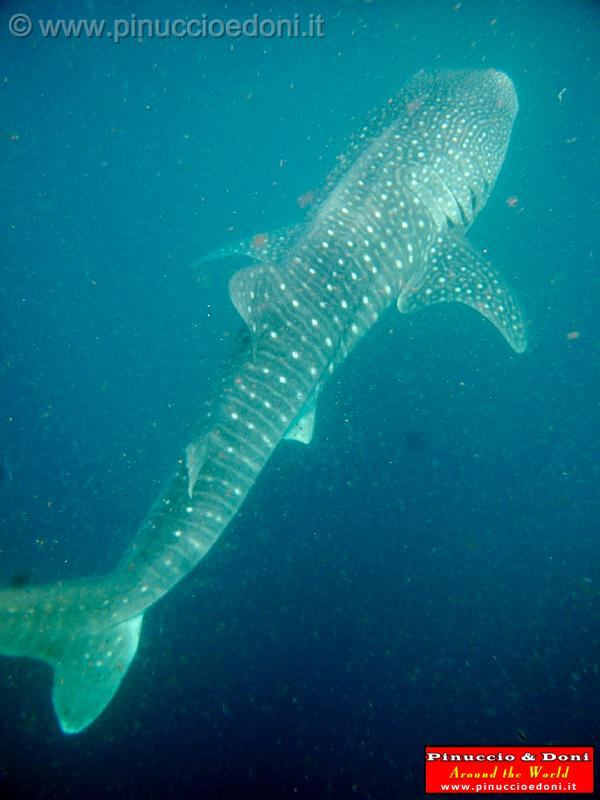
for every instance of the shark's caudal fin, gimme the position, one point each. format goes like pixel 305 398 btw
pixel 59 625
pixel 88 671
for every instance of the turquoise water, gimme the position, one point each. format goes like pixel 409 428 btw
pixel 427 570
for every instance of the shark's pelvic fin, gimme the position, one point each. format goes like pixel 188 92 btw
pixel 457 272
pixel 302 428
pixel 58 624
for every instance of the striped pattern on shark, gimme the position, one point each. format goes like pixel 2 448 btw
pixel 388 229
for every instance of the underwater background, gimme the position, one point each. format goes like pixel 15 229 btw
pixel 427 571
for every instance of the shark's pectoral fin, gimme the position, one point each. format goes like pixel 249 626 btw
pixel 456 272
pixel 263 247
pixel 88 671
pixel 302 428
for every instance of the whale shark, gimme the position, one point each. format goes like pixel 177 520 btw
pixel 388 228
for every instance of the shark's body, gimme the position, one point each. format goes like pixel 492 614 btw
pixel 388 230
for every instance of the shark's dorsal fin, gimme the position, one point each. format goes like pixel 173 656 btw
pixel 302 428
pixel 456 272
pixel 252 290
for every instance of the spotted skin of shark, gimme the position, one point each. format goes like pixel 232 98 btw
pixel 390 229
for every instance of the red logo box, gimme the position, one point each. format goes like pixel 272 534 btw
pixel 514 770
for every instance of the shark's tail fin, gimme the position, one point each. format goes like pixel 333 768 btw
pixel 60 625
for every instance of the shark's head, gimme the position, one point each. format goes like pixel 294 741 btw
pixel 456 127
pixel 487 102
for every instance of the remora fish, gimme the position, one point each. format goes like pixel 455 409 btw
pixel 389 229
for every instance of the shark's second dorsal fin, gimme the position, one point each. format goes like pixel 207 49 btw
pixel 195 456
pixel 252 290
pixel 456 272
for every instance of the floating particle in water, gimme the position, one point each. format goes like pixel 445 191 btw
pixel 259 240
pixel 306 199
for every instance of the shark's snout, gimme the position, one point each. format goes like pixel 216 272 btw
pixel 505 91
